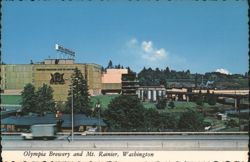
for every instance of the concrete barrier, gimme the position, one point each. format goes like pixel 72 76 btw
pixel 153 145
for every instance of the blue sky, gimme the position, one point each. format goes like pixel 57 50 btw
pixel 200 36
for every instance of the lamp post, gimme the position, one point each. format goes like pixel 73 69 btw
pixel 98 105
pixel 72 113
pixel 72 109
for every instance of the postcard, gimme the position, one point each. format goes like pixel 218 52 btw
pixel 124 81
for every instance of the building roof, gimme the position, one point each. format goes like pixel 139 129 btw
pixel 79 119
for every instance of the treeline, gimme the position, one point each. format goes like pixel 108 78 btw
pixel 119 66
pixel 149 77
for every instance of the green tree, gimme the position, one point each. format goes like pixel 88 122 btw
pixel 125 113
pixel 167 121
pixel 231 123
pixel 44 100
pixel 199 99
pixel 81 100
pixel 97 109
pixel 28 99
pixel 60 106
pixel 191 121
pixel 171 104
pixel 110 65
pixel 161 104
pixel 151 118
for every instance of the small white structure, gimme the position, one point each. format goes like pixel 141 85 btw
pixel 221 116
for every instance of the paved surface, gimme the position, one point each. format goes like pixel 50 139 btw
pixel 169 142
pixel 139 137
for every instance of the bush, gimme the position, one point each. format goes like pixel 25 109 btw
pixel 171 105
pixel 161 104
pixel 199 100
pixel 231 123
pixel 191 121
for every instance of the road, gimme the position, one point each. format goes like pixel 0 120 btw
pixel 130 142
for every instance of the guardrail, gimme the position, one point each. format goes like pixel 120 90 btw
pixel 166 133
pixel 140 133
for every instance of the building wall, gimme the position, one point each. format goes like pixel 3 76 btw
pixel 129 84
pixel 112 79
pixel 43 72
pixel 94 78
pixel 113 75
pixel 15 77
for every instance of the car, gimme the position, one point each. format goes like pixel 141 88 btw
pixel 207 128
pixel 92 129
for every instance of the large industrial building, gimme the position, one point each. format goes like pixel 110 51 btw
pixel 54 72
pixel 57 74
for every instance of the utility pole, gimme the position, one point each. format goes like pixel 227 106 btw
pixel 98 107
pixel 72 111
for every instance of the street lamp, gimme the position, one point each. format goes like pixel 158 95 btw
pixel 98 105
pixel 72 109
pixel 72 113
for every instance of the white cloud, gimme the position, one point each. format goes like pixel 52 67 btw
pixel 151 53
pixel 147 46
pixel 223 71
pixel 145 53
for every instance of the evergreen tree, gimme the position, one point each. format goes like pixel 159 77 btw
pixel 28 99
pixel 60 106
pixel 110 65
pixel 45 101
pixel 102 69
pixel 81 101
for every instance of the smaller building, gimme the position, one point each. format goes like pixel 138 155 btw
pixel 7 113
pixel 129 84
pixel 112 80
pixel 23 123
pixel 221 116
pixel 151 93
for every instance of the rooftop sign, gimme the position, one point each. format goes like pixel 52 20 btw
pixel 64 50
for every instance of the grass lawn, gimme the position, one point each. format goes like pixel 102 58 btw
pixel 11 99
pixel 216 123
pixel 184 104
pixel 104 100
pixel 149 105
